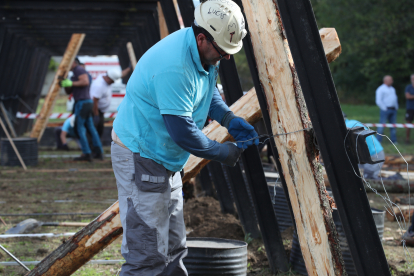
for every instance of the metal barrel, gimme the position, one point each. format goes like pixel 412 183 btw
pixel 213 256
pixel 27 148
pixel 296 258
pixel 280 205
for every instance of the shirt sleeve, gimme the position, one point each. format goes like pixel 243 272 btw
pixel 218 108
pixel 189 137
pixel 378 99
pixel 95 90
pixel 174 93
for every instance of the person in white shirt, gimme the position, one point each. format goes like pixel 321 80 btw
pixel 101 94
pixel 387 100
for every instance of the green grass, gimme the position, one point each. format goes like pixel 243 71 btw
pixel 370 114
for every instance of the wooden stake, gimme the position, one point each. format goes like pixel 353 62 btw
pixel 107 227
pixel 6 118
pixel 12 144
pixel 161 19
pixel 62 72
pixel 131 54
pixel 297 152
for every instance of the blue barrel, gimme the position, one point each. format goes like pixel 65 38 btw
pixel 280 205
pixel 213 256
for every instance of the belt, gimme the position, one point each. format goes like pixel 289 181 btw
pixel 391 108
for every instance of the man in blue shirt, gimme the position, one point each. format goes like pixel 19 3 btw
pixel 168 98
pixel 65 131
pixel 409 115
pixel 387 101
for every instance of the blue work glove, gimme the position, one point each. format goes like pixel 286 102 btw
pixel 233 154
pixel 240 130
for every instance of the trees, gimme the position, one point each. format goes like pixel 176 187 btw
pixel 377 39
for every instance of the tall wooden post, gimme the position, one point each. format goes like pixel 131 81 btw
pixel 297 151
pixel 131 54
pixel 62 72
pixel 161 19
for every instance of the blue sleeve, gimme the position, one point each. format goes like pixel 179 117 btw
pixel 189 137
pixel 218 107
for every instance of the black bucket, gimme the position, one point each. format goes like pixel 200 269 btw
pixel 212 256
pixel 27 148
pixel 280 205
pixel 296 258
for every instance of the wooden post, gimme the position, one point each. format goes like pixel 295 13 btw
pixel 12 144
pixel 78 250
pixel 6 118
pixel 131 54
pixel 161 19
pixel 297 152
pixel 62 72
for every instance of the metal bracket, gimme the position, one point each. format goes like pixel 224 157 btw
pixel 357 137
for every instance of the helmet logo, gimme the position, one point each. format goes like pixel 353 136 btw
pixel 217 13
pixel 232 35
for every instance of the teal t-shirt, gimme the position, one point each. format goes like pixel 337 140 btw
pixel 374 145
pixel 168 79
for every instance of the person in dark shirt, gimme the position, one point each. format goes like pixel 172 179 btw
pixel 409 115
pixel 78 85
pixel 89 75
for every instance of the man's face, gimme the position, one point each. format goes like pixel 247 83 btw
pixel 74 64
pixel 208 54
pixel 388 80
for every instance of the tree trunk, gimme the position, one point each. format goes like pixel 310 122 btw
pixel 297 152
pixel 61 73
pixel 78 250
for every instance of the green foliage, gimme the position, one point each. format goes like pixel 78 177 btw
pixel 53 65
pixel 247 238
pixel 376 39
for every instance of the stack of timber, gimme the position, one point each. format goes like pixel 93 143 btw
pixel 78 250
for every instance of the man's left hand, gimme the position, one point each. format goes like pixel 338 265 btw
pixel 242 131
pixel 66 83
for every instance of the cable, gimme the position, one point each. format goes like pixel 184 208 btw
pixel 271 136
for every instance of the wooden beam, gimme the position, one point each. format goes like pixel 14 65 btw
pixel 161 19
pixel 12 144
pixel 298 154
pixel 104 229
pixel 61 73
pixel 131 54
pixel 6 118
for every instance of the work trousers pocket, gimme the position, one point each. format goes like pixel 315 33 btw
pixel 149 175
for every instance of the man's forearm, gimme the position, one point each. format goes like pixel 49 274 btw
pixel 63 137
pixel 95 106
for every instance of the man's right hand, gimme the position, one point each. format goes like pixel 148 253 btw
pixel 233 155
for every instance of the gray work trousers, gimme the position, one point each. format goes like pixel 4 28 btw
pixel 151 210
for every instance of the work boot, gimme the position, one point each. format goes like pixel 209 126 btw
pixel 84 157
pixel 97 153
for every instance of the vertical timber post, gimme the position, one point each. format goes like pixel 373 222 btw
pixel 297 152
pixel 62 72
pixel 256 179
pixel 325 113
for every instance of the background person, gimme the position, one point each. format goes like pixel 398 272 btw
pixel 65 131
pixel 78 85
pixel 158 125
pixel 409 115
pixel 387 100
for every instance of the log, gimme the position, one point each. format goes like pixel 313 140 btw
pixel 330 42
pixel 61 73
pixel 398 160
pixel 131 54
pixel 402 213
pixel 104 229
pixel 163 24
pixel 298 154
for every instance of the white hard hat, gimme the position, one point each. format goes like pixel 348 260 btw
pixel 224 21
pixel 114 74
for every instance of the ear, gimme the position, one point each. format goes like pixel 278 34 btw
pixel 200 39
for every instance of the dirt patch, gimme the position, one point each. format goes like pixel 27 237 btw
pixel 203 218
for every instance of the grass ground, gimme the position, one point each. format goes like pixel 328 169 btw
pixel 370 114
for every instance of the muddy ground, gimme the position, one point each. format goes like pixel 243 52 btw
pixel 93 191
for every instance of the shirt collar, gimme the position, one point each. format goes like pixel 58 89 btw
pixel 194 52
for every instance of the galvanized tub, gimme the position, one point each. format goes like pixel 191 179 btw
pixel 27 148
pixel 213 256
pixel 280 205
pixel 296 258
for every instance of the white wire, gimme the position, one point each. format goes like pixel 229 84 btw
pixel 387 199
